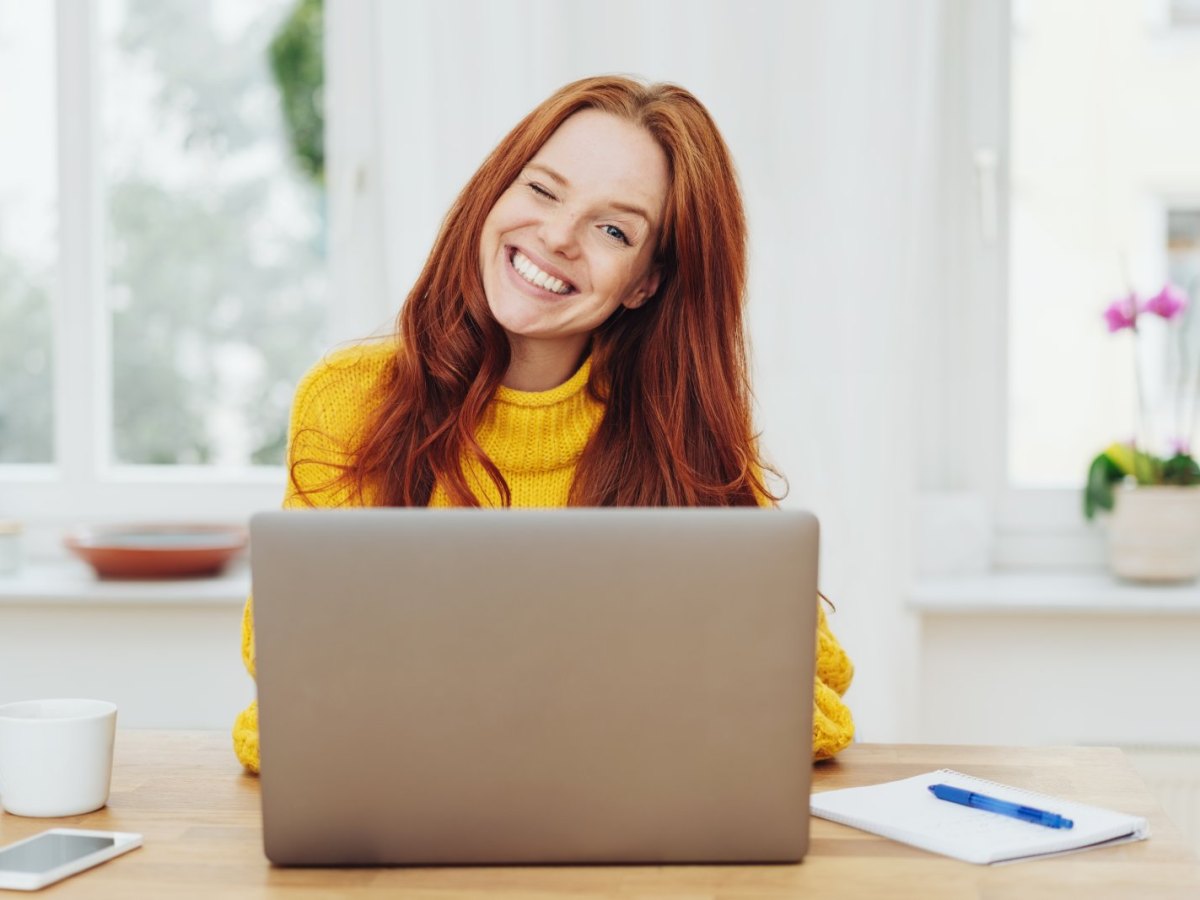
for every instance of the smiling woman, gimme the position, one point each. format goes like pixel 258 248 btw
pixel 651 323
pixel 575 339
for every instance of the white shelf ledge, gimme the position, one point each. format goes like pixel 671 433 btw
pixel 1085 593
pixel 69 582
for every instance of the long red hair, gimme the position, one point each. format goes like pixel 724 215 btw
pixel 672 374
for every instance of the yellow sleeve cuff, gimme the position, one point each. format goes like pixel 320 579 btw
pixel 833 725
pixel 245 737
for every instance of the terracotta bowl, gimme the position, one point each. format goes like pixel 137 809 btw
pixel 168 550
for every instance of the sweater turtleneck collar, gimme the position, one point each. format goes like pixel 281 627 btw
pixel 569 388
pixel 529 431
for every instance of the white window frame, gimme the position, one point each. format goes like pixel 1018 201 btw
pixel 969 519
pixel 81 485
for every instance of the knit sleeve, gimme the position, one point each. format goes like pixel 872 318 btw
pixel 327 416
pixel 328 409
pixel 833 726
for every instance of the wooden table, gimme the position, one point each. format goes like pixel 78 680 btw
pixel 200 816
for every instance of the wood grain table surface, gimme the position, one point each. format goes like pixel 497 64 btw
pixel 199 813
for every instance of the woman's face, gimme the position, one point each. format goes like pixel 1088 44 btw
pixel 572 239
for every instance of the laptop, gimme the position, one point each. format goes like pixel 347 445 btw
pixel 466 687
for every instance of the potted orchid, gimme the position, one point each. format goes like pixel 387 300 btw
pixel 1154 532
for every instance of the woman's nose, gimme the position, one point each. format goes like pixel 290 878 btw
pixel 559 232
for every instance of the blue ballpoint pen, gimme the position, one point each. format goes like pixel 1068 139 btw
pixel 1003 807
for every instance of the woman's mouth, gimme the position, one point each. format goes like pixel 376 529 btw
pixel 528 271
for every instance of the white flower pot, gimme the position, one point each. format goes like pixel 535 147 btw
pixel 1154 534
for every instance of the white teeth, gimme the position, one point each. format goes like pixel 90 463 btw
pixel 536 276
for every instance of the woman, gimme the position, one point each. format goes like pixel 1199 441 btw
pixel 575 338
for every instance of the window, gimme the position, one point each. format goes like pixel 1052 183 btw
pixel 213 237
pixel 1184 13
pixel 28 227
pixel 1069 164
pixel 162 252
pixel 1183 254
pixel 1101 143
pixel 1181 363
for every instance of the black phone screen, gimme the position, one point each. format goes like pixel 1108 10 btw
pixel 49 851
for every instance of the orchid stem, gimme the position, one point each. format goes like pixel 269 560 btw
pixel 1142 418
pixel 1189 428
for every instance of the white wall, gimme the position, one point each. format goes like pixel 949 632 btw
pixel 1045 678
pixel 827 109
pixel 166 664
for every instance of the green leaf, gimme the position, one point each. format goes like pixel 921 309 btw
pixel 298 63
pixel 1144 467
pixel 1147 469
pixel 1181 470
pixel 1098 494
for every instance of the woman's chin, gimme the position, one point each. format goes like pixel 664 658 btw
pixel 526 333
pixel 519 320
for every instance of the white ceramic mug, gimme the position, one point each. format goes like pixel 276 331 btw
pixel 56 756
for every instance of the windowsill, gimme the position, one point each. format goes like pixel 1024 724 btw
pixel 68 581
pixel 1038 593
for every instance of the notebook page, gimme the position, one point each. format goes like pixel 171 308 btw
pixel 906 811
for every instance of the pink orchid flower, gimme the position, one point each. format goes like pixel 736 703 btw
pixel 1122 313
pixel 1168 303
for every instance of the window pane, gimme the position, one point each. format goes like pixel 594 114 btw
pixel 215 236
pixel 1104 143
pixel 28 224
pixel 1184 12
pixel 1183 249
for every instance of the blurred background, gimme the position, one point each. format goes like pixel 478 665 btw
pixel 200 197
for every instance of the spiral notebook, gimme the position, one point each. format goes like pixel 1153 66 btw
pixel 906 811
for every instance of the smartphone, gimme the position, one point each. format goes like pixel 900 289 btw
pixel 55 854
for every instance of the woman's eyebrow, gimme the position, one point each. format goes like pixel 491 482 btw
pixel 623 207
pixel 549 171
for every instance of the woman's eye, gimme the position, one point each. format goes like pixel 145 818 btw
pixel 614 232
pixel 540 191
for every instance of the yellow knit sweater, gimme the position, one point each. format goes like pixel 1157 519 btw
pixel 535 439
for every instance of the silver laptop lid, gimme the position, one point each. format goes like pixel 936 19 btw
pixel 535 686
